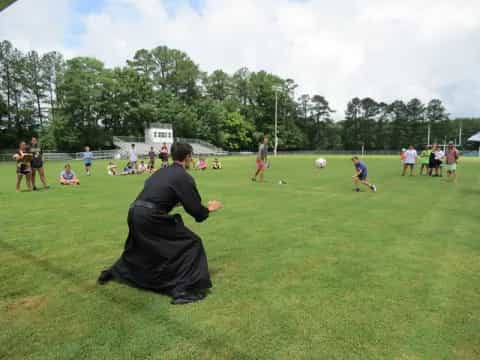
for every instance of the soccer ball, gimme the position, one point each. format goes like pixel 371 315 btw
pixel 320 163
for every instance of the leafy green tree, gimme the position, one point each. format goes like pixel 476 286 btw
pixel 53 66
pixel 80 95
pixel 218 85
pixel 35 82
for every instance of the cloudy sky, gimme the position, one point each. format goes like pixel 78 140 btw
pixel 385 49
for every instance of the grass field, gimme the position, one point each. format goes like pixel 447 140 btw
pixel 306 270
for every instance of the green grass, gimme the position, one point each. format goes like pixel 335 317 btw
pixel 306 270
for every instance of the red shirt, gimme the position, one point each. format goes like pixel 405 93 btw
pixel 452 156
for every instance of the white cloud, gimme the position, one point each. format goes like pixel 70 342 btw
pixel 386 49
pixel 36 25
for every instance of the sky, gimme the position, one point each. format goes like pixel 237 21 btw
pixel 384 49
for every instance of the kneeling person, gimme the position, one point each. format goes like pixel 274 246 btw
pixel 361 174
pixel 68 177
pixel 161 253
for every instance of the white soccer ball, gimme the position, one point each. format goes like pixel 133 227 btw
pixel 320 163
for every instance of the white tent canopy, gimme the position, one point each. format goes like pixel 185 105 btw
pixel 475 137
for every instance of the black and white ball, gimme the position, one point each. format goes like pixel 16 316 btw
pixel 321 163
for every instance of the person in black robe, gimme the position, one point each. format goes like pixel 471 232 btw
pixel 160 253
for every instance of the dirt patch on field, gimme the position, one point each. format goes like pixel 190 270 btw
pixel 27 303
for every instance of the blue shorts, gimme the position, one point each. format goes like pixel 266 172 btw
pixel 88 164
pixel 363 176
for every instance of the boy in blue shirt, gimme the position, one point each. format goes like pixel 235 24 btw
pixel 87 159
pixel 361 174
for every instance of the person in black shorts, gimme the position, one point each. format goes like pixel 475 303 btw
pixel 23 157
pixel 164 155
pixel 37 163
pixel 151 161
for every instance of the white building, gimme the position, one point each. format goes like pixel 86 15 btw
pixel 159 133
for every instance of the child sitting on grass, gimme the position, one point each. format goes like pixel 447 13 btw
pixel 202 164
pixel 141 168
pixel 128 169
pixel 217 165
pixel 68 177
pixel 112 169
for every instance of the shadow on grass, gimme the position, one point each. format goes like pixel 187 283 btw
pixel 177 328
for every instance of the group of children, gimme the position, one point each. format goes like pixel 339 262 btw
pixel 129 169
pixel 432 160
pixel 29 158
pixel 202 164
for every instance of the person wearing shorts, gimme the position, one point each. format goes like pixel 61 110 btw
pixel 164 155
pixel 410 160
pixel 402 157
pixel 451 161
pixel 262 156
pixel 133 157
pixel 23 157
pixel 151 161
pixel 438 156
pixel 425 160
pixel 431 160
pixel 87 159
pixel 37 163
pixel 361 174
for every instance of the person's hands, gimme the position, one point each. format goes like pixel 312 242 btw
pixel 214 205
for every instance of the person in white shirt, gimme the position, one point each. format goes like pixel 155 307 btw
pixel 439 155
pixel 410 160
pixel 133 157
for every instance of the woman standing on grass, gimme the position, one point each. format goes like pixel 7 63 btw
pixel 37 163
pixel 23 157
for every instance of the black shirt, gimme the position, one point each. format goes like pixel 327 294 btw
pixel 168 187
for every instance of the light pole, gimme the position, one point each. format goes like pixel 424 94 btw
pixel 276 89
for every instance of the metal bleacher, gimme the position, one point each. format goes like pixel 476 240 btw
pixel 200 147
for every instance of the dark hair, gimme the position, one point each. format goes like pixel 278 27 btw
pixel 180 151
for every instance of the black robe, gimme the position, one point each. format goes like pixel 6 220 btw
pixel 161 254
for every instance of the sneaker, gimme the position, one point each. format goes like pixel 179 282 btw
pixel 374 188
pixel 357 190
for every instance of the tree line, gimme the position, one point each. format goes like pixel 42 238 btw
pixel 70 103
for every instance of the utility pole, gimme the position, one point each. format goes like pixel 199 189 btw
pixel 428 135
pixel 276 89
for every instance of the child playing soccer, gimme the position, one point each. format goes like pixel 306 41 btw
pixel 87 159
pixel 361 174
